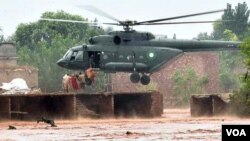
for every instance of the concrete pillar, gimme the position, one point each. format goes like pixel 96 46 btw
pixel 106 105
pixel 201 105
pixel 5 108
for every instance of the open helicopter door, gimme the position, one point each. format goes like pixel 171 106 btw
pixel 94 58
pixel 85 58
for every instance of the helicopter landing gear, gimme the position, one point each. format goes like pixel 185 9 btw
pixel 145 80
pixel 135 77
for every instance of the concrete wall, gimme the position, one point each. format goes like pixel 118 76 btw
pixel 7 50
pixel 9 69
pixel 5 108
pixel 209 104
pixel 29 74
pixel 203 63
pixel 34 106
pixel 8 56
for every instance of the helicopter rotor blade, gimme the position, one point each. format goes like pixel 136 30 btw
pixel 75 21
pixel 92 24
pixel 97 11
pixel 117 24
pixel 178 17
pixel 67 21
pixel 191 22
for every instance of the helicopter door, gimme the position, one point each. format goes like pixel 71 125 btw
pixel 94 59
pixel 85 61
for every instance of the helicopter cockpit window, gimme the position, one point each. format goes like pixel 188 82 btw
pixel 79 56
pixel 73 56
pixel 69 52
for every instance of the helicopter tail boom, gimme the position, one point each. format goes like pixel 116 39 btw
pixel 197 45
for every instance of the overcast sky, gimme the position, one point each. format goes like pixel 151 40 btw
pixel 14 12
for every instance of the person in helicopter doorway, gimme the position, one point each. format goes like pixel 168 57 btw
pixel 90 73
pixel 92 61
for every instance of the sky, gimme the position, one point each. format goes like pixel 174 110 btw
pixel 15 12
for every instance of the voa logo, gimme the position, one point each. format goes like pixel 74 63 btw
pixel 236 132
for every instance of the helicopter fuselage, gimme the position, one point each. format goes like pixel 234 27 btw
pixel 143 59
pixel 131 51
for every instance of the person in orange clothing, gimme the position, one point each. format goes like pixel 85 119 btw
pixel 90 73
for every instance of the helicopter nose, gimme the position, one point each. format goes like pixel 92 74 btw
pixel 61 63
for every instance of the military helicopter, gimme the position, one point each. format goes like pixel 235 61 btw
pixel 138 53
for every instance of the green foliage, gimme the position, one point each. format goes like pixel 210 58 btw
pixel 31 34
pixel 241 100
pixel 245 49
pixel 228 82
pixel 228 35
pixel 44 58
pixel 230 65
pixel 230 61
pixel 41 44
pixel 186 83
pixel 218 30
pixel 237 21
pixel 204 36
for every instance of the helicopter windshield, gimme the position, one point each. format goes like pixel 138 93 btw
pixel 77 55
pixel 68 53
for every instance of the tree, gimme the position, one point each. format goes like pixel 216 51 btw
pixel 204 36
pixel 241 100
pixel 42 43
pixel 230 65
pixel 218 30
pixel 44 58
pixel 234 29
pixel 241 16
pixel 186 83
pixel 245 49
pixel 31 34
pixel 236 20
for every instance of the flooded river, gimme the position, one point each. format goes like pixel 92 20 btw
pixel 173 125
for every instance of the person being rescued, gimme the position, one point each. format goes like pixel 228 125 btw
pixel 76 81
pixel 71 82
pixel 90 73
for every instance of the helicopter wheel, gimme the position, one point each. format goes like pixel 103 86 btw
pixel 145 80
pixel 135 77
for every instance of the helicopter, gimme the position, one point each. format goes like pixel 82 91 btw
pixel 134 52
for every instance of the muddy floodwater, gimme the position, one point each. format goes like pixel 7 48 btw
pixel 173 125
